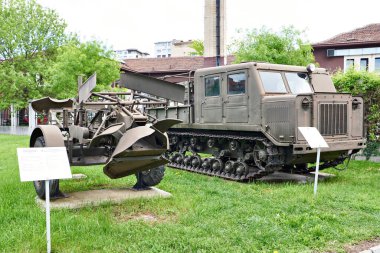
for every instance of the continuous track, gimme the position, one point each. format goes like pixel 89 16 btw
pixel 263 160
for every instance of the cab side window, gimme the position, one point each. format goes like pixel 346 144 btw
pixel 212 86
pixel 236 83
pixel 272 82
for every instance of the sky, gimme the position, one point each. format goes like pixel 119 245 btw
pixel 123 24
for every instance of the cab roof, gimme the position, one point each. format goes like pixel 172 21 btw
pixel 256 65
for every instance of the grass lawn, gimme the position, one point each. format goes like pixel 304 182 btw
pixel 205 214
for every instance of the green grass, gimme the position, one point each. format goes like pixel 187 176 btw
pixel 205 214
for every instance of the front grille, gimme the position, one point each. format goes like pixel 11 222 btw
pixel 333 118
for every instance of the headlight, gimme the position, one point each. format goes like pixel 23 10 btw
pixel 310 67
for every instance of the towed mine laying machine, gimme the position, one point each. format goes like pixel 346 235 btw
pixel 246 118
pixel 109 128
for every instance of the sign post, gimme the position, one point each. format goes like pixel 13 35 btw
pixel 315 140
pixel 37 164
pixel 47 204
pixel 317 171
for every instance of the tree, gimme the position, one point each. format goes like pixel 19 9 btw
pixel 40 59
pixel 284 47
pixel 368 86
pixel 84 59
pixel 198 46
pixel 29 36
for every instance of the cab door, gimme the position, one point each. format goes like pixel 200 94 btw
pixel 235 99
pixel 211 102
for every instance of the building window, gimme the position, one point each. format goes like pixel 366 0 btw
pixel 349 63
pixel 377 64
pixel 364 64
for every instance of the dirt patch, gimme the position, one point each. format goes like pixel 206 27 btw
pixel 361 246
pixel 148 217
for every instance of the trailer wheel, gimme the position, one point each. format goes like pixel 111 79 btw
pixel 40 185
pixel 149 178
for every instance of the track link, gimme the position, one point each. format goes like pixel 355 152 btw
pixel 248 170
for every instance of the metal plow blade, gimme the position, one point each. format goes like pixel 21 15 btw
pixel 153 86
pixel 139 149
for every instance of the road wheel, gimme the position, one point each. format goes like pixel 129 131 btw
pixel 39 186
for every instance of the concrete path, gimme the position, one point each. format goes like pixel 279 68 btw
pixel 97 197
pixel 375 249
pixel 280 177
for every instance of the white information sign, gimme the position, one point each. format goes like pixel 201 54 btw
pixel 315 140
pixel 46 163
pixel 313 137
pixel 43 163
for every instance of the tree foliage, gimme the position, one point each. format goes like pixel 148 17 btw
pixel 198 46
pixel 39 59
pixel 368 86
pixel 81 59
pixel 28 29
pixel 29 36
pixel 284 47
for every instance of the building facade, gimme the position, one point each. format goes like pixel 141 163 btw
pixel 182 48
pixel 358 49
pixel 130 53
pixel 163 49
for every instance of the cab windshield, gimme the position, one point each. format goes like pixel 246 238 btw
pixel 298 82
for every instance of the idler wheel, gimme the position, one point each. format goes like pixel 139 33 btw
pixel 196 161
pixel 229 167
pixel 241 168
pixel 217 165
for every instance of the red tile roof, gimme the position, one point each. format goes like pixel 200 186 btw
pixel 170 64
pixel 369 34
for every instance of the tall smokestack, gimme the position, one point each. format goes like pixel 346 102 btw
pixel 214 29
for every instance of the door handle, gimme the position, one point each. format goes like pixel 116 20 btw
pixel 202 103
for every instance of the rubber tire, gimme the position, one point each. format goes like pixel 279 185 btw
pixel 39 186
pixel 151 177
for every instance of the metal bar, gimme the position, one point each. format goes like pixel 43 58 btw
pixel 148 97
pixel 114 93
pixel 125 103
pixel 105 97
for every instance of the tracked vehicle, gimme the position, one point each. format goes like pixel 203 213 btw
pixel 109 128
pixel 246 117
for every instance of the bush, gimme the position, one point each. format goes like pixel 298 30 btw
pixel 366 85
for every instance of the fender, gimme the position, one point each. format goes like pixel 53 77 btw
pixel 52 135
